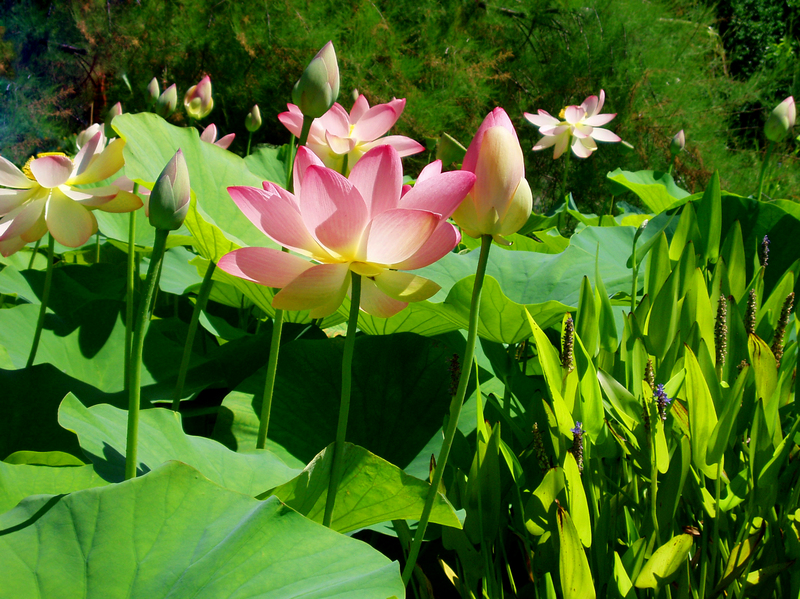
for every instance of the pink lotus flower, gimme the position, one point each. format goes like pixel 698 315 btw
pixel 198 101
pixel 501 200
pixel 336 134
pixel 581 123
pixel 209 135
pixel 362 224
pixel 47 199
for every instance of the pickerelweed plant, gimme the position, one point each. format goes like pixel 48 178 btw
pixel 608 414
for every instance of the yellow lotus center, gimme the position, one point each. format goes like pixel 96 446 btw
pixel 563 114
pixel 350 132
pixel 26 169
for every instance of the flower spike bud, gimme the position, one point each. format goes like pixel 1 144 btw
pixel 169 200
pixel 780 330
pixel 318 87
pixel 167 102
pixel 721 331
pixel 750 313
pixel 763 252
pixel 678 143
pixel 541 453
pixel 567 352
pixel 649 374
pixel 781 120
pixel 198 101
pixel 253 119
pixel 115 111
pixel 577 444
pixel 153 92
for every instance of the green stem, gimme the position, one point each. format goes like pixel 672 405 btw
pixel 199 306
pixel 307 120
pixel 97 247
pixel 654 479
pixel 143 318
pixel 48 278
pixel 344 165
pixel 635 277
pixel 717 515
pixel 269 383
pixel 131 279
pixel 33 254
pixel 344 405
pixel 564 184
pixel 455 408
pixel 703 546
pixel 249 139
pixel 763 170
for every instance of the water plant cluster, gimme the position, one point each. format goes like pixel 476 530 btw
pixel 314 372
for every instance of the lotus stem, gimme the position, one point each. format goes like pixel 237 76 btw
pixel 131 280
pixel 33 254
pixel 763 170
pixel 249 139
pixel 48 279
pixel 143 319
pixel 455 408
pixel 344 404
pixel 199 306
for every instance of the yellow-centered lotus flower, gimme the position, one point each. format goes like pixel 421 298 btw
pixel 44 196
pixel 198 101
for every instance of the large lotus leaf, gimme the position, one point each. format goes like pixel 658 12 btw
pixel 656 190
pixel 18 481
pixel 101 430
pixel 400 394
pixel 371 491
pixel 780 219
pixel 174 534
pixel 269 163
pixel 150 142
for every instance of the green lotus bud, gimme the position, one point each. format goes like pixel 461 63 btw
pixel 318 88
pixel 153 91
pixel 198 101
pixel 115 111
pixel 169 200
pixel 678 143
pixel 167 102
pixel 253 119
pixel 781 121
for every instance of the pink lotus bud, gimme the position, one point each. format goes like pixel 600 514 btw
pixel 153 91
pixel 501 200
pixel 115 111
pixel 253 119
pixel 678 143
pixel 198 101
pixel 209 135
pixel 781 121
pixel 167 102
pixel 318 88
pixel 169 200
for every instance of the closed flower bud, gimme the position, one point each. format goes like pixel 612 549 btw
pixel 153 91
pixel 198 101
pixel 167 102
pixel 253 119
pixel 169 200
pixel 781 121
pixel 115 111
pixel 318 88
pixel 500 201
pixel 678 143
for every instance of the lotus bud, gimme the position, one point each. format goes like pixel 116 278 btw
pixel 640 230
pixel 153 92
pixel 678 143
pixel 167 102
pixel 88 134
pixel 169 200
pixel 209 135
pixel 198 101
pixel 253 119
pixel 781 121
pixel 500 202
pixel 318 88
pixel 115 111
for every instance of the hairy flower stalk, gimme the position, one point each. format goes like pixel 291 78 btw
pixel 721 334
pixel 567 351
pixel 538 447
pixel 780 330
pixel 577 444
pixel 763 252
pixel 650 375
pixel 646 416
pixel 750 313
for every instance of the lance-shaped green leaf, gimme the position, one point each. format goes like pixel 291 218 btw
pixel 739 557
pixel 658 266
pixel 175 534
pixel 733 255
pixel 576 499
pixel 732 401
pixel 664 563
pixel 101 431
pixel 18 481
pixel 702 417
pixel 573 567
pixel 591 399
pixel 766 373
pixel 662 324
pixel 686 231
pixel 542 502
pixel 655 189
pixel 709 219
pixel 371 491
pixel 586 319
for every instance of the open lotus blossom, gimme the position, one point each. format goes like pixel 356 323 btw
pixel 209 135
pixel 362 224
pixel 45 198
pixel 581 124
pixel 336 134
